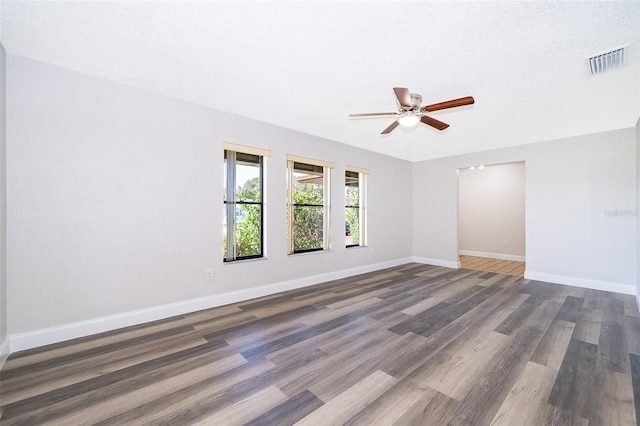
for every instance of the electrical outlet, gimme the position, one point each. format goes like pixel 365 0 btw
pixel 208 274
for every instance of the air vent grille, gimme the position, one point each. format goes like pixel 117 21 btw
pixel 607 61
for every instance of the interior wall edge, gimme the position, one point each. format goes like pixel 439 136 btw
pixel 608 286
pixel 37 338
pixel 499 256
pixel 437 262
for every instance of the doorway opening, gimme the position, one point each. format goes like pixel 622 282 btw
pixel 491 218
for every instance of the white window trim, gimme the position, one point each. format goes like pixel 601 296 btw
pixel 362 208
pixel 230 146
pixel 326 190
pixel 264 153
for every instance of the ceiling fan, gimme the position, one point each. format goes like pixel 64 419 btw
pixel 410 113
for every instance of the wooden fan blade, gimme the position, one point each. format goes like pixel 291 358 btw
pixel 468 100
pixel 373 114
pixel 390 128
pixel 433 122
pixel 403 95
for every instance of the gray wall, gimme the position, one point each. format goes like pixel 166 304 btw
pixel 115 200
pixel 4 346
pixel 579 208
pixel 638 207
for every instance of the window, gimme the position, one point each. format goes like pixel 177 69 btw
pixel 354 206
pixel 243 230
pixel 308 204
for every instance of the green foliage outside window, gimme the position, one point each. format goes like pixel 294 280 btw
pixel 248 220
pixel 244 204
pixel 308 216
pixel 352 215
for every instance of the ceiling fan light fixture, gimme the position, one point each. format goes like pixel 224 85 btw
pixel 409 120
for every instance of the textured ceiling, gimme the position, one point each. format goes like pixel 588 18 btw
pixel 306 65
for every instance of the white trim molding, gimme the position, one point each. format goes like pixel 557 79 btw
pixel 4 351
pixel 437 262
pixel 581 282
pixel 32 339
pixel 500 256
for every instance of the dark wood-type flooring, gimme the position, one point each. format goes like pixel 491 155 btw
pixel 410 345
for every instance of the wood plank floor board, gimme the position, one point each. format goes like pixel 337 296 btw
pixel 344 376
pixel 290 411
pixel 53 404
pixel 632 331
pixel 553 346
pixel 456 375
pixel 557 417
pixel 615 404
pixel 431 409
pixel 634 360
pixel 128 379
pixel 297 337
pixel 588 325
pixel 526 403
pixel 390 406
pixel 42 382
pixel 515 320
pixel 348 403
pixel 191 403
pixel 613 310
pixel 409 345
pixel 246 409
pixel 570 309
pixel 577 380
pixel 613 349
pixel 119 404
pixel 483 401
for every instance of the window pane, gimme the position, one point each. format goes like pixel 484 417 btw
pixel 352 188
pixel 242 218
pixel 225 237
pixel 248 181
pixel 307 228
pixel 352 226
pixel 352 195
pixel 248 230
pixel 307 184
pixel 308 212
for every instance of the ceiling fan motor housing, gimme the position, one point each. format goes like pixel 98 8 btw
pixel 416 100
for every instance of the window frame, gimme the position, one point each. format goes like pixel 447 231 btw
pixel 230 203
pixel 326 207
pixel 362 204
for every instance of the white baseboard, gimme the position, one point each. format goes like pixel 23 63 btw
pixel 4 351
pixel 500 256
pixel 19 342
pixel 437 262
pixel 581 282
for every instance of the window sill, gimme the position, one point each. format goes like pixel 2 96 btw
pixel 307 253
pixel 255 259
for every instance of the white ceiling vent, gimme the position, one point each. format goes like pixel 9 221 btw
pixel 607 61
